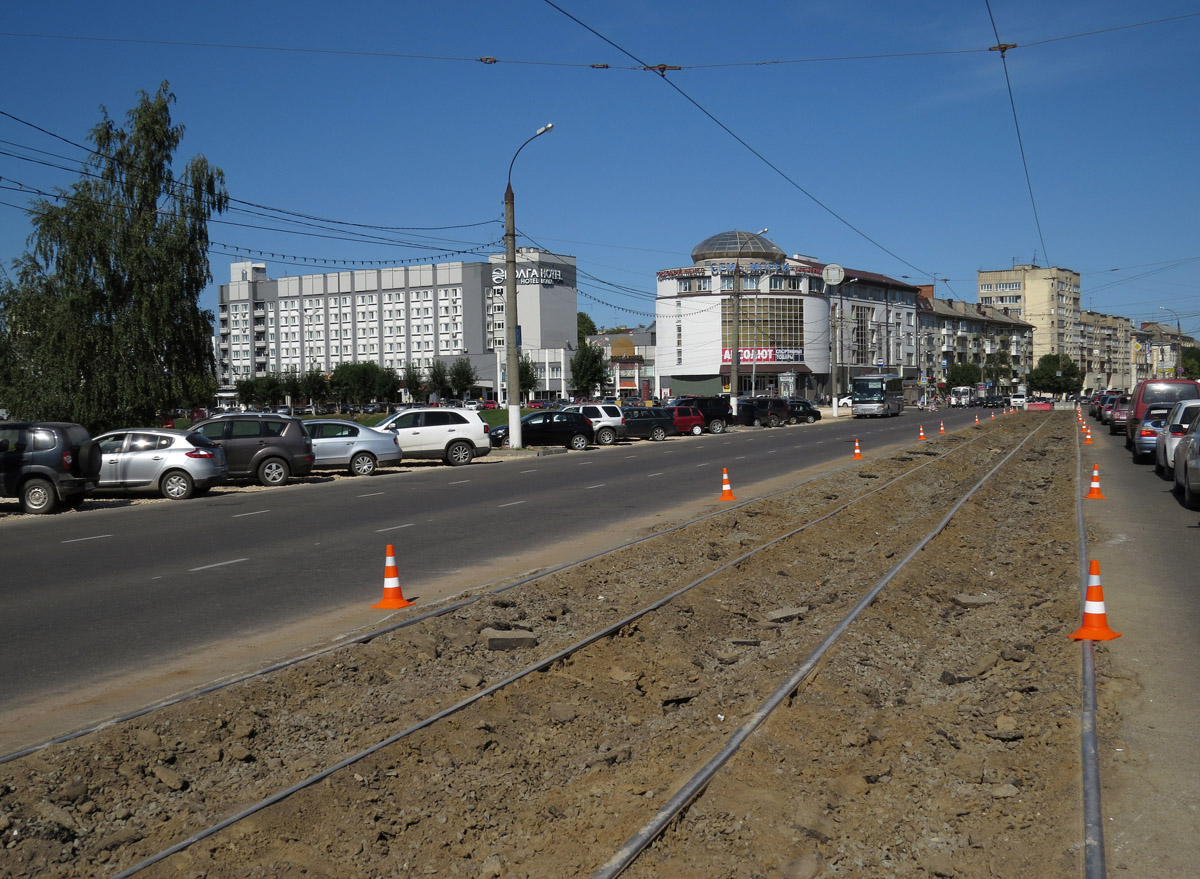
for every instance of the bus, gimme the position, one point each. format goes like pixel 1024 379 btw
pixel 962 397
pixel 877 393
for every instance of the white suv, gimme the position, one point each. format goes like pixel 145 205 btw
pixel 606 419
pixel 456 436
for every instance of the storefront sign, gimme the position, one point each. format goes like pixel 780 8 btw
pixel 764 355
pixel 543 275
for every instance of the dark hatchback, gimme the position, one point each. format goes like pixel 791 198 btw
pixel 570 429
pixel 648 422
pixel 802 412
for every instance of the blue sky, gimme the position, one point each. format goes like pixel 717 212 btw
pixel 375 113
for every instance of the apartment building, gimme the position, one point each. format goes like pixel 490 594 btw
pixel 1047 298
pixel 995 340
pixel 1107 352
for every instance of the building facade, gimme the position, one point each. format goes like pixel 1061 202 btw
pixel 1107 354
pixel 395 316
pixel 1048 298
pixel 793 334
pixel 954 332
pixel 1164 349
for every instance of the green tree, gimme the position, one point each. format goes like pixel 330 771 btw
pixel 103 324
pixel 1056 374
pixel 268 389
pixel 997 369
pixel 589 369
pixel 247 391
pixel 362 382
pixel 963 374
pixel 587 327
pixel 463 376
pixel 1190 359
pixel 414 383
pixel 439 378
pixel 291 387
pixel 528 376
pixel 385 384
pixel 314 385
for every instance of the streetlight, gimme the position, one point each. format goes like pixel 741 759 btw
pixel 1178 333
pixel 510 302
pixel 737 320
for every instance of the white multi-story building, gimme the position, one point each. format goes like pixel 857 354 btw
pixel 1048 298
pixel 394 316
pixel 795 335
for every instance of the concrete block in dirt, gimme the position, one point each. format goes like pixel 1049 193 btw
pixel 513 639
pixel 785 614
pixel 972 601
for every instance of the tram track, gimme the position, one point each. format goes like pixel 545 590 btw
pixel 690 663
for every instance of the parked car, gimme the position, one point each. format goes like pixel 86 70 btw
pixel 652 422
pixel 1187 466
pixel 1105 408
pixel 1017 401
pixel 1152 425
pixel 456 436
pixel 1164 390
pixel 176 463
pixel 716 411
pixel 763 411
pixel 802 412
pixel 354 447
pixel 1176 424
pixel 266 447
pixel 550 428
pixel 688 419
pixel 606 418
pixel 1119 414
pixel 45 463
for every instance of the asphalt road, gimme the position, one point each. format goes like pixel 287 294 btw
pixel 99 593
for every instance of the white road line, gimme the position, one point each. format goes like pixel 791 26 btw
pixel 654 474
pixel 393 528
pixel 80 539
pixel 703 463
pixel 529 471
pixel 459 482
pixel 581 463
pixel 598 485
pixel 512 504
pixel 255 513
pixel 372 494
pixel 217 565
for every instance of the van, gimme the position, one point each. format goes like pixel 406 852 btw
pixel 1157 390
pixel 1017 401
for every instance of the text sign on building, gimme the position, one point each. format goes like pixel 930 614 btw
pixel 764 355
pixel 543 275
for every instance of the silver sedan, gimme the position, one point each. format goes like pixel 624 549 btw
pixel 176 463
pixel 355 447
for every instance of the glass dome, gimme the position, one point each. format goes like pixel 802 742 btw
pixel 732 245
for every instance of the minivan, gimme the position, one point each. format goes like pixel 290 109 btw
pixel 1157 390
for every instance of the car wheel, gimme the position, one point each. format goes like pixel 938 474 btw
pixel 460 453
pixel 1159 470
pixel 578 443
pixel 697 429
pixel 606 436
pixel 773 421
pixel 90 459
pixel 1190 500
pixel 658 434
pixel 792 419
pixel 362 464
pixel 37 496
pixel 809 419
pixel 758 422
pixel 716 425
pixel 273 471
pixel 176 486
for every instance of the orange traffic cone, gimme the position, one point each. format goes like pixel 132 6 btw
pixel 393 595
pixel 993 416
pixel 857 450
pixel 941 427
pixel 1094 491
pixel 921 432
pixel 976 419
pixel 1095 620
pixel 726 490
pixel 1087 432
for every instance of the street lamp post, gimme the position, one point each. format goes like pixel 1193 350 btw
pixel 735 354
pixel 1178 333
pixel 510 302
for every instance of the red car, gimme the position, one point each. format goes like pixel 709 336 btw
pixel 489 404
pixel 688 419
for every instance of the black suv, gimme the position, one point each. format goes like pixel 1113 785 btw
pixel 763 412
pixel 261 446
pixel 45 462
pixel 716 412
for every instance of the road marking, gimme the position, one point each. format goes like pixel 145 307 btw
pixel 255 513
pixel 372 494
pixel 654 474
pixel 627 457
pixel 739 458
pixel 581 463
pixel 80 539
pixel 597 485
pixel 217 565
pixel 703 464
pixel 459 482
pixel 512 504
pixel 529 471
pixel 393 528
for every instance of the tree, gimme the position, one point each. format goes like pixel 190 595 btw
pixel 439 378
pixel 314 385
pixel 413 383
pixel 103 324
pixel 587 327
pixel 963 375
pixel 247 391
pixel 362 382
pixel 268 389
pixel 589 369
pixel 1056 374
pixel 385 384
pixel 528 376
pixel 463 376
pixel 1190 360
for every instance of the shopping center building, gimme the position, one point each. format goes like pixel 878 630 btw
pixel 796 335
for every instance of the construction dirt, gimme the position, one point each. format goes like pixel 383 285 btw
pixel 939 737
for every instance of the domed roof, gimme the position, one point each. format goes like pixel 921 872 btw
pixel 734 245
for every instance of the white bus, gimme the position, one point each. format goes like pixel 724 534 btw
pixel 877 393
